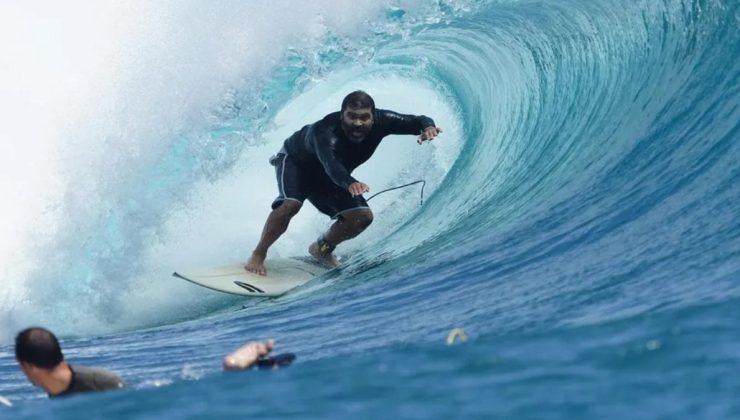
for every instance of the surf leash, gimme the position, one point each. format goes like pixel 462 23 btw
pixel 421 181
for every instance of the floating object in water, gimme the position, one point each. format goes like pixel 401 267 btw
pixel 455 333
pixel 274 362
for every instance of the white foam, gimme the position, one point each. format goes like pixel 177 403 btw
pixel 94 93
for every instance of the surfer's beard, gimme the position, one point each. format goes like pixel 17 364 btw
pixel 357 135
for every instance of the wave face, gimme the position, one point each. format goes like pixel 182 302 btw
pixel 599 172
pixel 580 221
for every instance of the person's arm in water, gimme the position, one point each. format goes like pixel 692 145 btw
pixel 421 125
pixel 247 355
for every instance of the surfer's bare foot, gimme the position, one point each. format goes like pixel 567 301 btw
pixel 247 355
pixel 256 264
pixel 328 260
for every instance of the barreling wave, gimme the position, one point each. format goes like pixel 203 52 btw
pixel 594 170
pixel 599 168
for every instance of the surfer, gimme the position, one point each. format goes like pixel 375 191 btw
pixel 316 163
pixel 40 357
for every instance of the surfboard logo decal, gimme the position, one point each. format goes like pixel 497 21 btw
pixel 251 288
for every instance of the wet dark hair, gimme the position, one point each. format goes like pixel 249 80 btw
pixel 358 99
pixel 39 347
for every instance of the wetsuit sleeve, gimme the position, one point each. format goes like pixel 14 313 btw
pixel 395 123
pixel 108 380
pixel 324 145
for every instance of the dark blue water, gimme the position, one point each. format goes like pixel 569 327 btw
pixel 586 237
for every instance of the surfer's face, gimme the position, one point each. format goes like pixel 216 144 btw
pixel 357 123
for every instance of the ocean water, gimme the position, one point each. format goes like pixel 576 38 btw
pixel 580 218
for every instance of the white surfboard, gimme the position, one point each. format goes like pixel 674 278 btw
pixel 283 274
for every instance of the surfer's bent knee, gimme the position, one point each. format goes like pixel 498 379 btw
pixel 361 218
pixel 289 207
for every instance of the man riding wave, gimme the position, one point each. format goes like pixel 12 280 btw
pixel 316 163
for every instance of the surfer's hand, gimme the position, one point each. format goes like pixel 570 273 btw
pixel 246 355
pixel 428 134
pixel 358 188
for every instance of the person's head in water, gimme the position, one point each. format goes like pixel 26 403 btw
pixel 40 357
pixel 358 109
pixel 38 353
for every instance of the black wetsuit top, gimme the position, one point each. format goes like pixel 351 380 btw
pixel 324 147
pixel 86 379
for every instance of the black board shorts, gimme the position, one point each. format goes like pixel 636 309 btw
pixel 298 184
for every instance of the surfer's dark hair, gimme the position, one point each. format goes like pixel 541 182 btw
pixel 39 347
pixel 358 99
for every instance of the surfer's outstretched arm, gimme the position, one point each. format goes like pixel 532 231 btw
pixel 395 123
